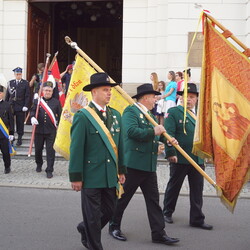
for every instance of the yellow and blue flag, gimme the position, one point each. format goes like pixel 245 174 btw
pixel 5 132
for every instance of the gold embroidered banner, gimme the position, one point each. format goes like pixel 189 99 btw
pixel 78 99
pixel 223 124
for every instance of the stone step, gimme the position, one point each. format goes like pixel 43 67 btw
pixel 22 151
pixel 24 155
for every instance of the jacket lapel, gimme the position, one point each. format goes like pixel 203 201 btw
pixel 188 115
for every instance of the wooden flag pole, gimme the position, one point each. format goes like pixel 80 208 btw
pixel 37 107
pixel 151 120
pixel 213 20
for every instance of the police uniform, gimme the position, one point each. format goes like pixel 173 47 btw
pixel 7 117
pixel 46 133
pixel 18 95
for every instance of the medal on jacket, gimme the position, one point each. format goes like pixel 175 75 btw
pixel 103 113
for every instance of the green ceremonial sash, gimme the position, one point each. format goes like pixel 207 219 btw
pixel 106 137
pixel 103 131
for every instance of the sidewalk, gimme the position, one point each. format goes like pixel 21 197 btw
pixel 23 174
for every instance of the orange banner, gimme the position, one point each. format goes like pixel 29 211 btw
pixel 223 125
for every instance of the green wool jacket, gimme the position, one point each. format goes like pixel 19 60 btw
pixel 90 159
pixel 140 142
pixel 174 126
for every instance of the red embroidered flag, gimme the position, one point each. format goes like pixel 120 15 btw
pixel 223 125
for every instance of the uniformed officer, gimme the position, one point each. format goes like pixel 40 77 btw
pixel 46 126
pixel 55 86
pixel 141 147
pixel 96 143
pixel 18 95
pixel 179 166
pixel 7 117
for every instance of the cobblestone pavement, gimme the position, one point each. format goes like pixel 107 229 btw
pixel 23 174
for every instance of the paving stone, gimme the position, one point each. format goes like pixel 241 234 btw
pixel 23 174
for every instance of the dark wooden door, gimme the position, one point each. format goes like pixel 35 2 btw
pixel 38 39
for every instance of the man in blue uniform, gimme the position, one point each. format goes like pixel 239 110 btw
pixel 18 95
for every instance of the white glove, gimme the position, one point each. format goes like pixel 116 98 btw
pixel 25 109
pixel 34 121
pixel 11 137
pixel 36 96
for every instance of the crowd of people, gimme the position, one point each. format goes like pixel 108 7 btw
pixel 126 155
pixel 169 97
pixel 20 103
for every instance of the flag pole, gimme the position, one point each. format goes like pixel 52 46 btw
pixel 52 62
pixel 37 107
pixel 151 120
pixel 213 20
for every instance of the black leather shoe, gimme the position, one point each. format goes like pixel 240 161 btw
pixel 81 230
pixel 168 219
pixel 7 170
pixel 117 234
pixel 19 142
pixel 38 169
pixel 164 239
pixel 49 175
pixel 202 226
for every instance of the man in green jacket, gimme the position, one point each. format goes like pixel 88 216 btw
pixel 179 166
pixel 96 159
pixel 141 147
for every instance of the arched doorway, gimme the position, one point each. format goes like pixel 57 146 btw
pixel 95 25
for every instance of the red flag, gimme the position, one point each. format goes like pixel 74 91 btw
pixel 223 125
pixel 45 75
pixel 56 74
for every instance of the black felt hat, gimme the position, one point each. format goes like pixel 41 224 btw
pixel 98 80
pixel 192 88
pixel 144 89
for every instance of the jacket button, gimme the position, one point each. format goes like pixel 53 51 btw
pixel 96 132
pixel 88 161
pixel 136 149
pixel 108 160
pixel 153 153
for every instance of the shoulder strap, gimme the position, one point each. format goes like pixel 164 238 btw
pixel 103 131
pixel 190 114
pixel 48 110
pixel 5 132
pixel 107 139
pixel 4 129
